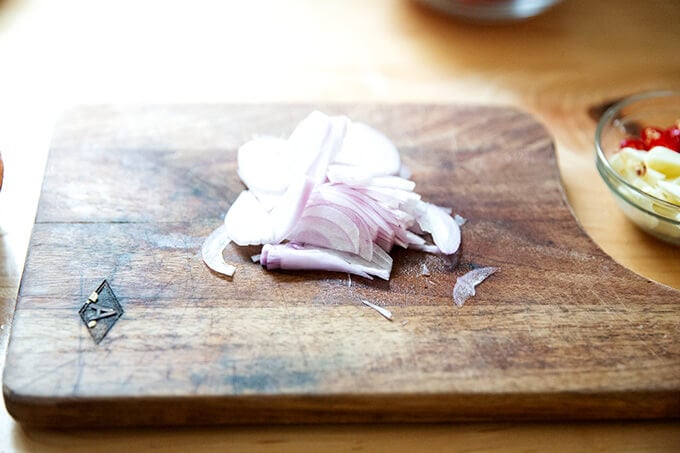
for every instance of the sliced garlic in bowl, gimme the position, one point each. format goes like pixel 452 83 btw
pixel 643 173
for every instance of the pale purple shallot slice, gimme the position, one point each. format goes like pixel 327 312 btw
pixel 299 257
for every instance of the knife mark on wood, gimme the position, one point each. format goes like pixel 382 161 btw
pixel 50 373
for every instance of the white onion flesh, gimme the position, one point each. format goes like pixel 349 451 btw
pixel 444 229
pixel 257 230
pixel 212 250
pixel 369 149
pixel 333 196
pixel 316 141
pixel 273 177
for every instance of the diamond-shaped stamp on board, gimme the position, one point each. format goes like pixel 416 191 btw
pixel 101 311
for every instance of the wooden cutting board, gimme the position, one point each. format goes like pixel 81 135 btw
pixel 562 331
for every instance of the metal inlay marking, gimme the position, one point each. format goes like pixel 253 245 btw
pixel 101 311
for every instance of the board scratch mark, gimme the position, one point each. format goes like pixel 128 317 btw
pixel 631 325
pixel 556 330
pixel 187 304
pixel 81 365
pixel 634 330
pixel 81 294
pixel 189 256
pixel 625 307
pixel 606 305
pixel 128 378
pixel 292 321
pixel 50 373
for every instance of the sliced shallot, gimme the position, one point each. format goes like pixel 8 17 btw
pixel 333 196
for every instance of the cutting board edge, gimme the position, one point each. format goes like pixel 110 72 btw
pixel 341 408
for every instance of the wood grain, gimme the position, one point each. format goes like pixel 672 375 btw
pixel 130 192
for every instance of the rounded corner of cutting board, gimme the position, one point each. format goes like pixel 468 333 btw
pixel 20 406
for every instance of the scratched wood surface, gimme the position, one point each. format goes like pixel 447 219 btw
pixel 131 191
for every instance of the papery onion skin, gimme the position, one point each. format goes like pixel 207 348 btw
pixel 465 284
pixel 383 311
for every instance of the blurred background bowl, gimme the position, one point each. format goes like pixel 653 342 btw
pixel 491 10
pixel 627 118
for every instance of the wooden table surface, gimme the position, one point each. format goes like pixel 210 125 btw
pixel 558 66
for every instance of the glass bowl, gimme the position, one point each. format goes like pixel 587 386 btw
pixel 656 216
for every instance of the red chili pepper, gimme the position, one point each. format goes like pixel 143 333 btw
pixel 652 136
pixel 633 143
pixel 671 137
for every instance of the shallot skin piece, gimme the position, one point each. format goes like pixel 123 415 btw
pixel 383 311
pixel 465 284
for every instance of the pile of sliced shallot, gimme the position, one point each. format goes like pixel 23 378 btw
pixel 334 196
